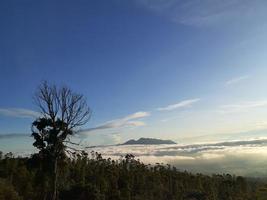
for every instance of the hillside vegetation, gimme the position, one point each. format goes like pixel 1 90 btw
pixel 94 178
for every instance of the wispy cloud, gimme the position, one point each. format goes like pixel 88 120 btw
pixel 182 104
pixel 19 112
pixel 242 107
pixel 132 120
pixel 13 135
pixel 204 12
pixel 236 80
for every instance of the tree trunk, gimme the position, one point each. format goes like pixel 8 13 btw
pixel 54 197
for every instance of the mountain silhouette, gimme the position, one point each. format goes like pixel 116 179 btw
pixel 147 141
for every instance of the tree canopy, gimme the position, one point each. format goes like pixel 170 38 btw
pixel 61 112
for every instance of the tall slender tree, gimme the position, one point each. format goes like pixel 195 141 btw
pixel 62 112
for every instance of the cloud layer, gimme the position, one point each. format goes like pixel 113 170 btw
pixel 247 158
pixel 19 112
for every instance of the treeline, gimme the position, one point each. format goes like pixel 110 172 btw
pixel 94 178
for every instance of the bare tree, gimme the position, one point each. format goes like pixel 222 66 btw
pixel 62 112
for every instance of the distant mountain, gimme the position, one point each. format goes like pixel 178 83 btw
pixel 145 141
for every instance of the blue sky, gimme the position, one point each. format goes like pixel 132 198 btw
pixel 169 69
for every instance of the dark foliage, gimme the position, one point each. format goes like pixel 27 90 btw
pixel 62 111
pixel 95 178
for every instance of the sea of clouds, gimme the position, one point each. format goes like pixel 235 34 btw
pixel 247 158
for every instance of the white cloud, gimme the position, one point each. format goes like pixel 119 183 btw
pixel 128 121
pixel 242 107
pixel 236 80
pixel 115 138
pixel 19 112
pixel 205 12
pixel 136 115
pixel 182 104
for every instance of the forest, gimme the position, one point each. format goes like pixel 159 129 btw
pixel 94 178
